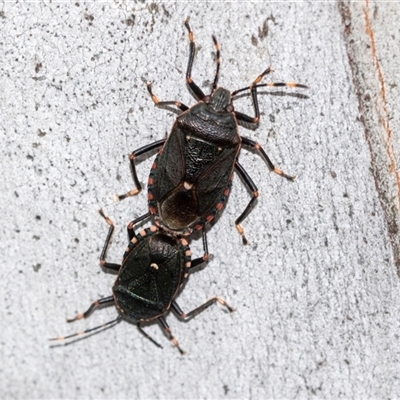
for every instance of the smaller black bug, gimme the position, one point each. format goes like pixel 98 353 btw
pixel 154 268
pixel 191 176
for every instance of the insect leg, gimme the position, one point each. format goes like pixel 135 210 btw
pixel 103 262
pixel 253 90
pixel 131 232
pixel 263 154
pixel 167 331
pixel 162 104
pixel 143 150
pixel 141 330
pixel 201 308
pixel 101 302
pixel 253 188
pixel 201 260
pixel 192 49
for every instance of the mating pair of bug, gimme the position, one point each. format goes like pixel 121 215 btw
pixel 189 183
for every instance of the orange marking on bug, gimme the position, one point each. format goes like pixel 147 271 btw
pixel 153 228
pixel 150 181
pixel 108 220
pixel 176 344
pixel 241 232
pixel 220 300
pixel 79 316
pixel 240 229
pixel 150 197
pixel 132 192
pixel 219 206
pixel 210 218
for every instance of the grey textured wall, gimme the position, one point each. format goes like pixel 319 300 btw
pixel 316 292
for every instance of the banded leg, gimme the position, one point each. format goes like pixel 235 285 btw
pixel 254 145
pixel 192 49
pixel 201 308
pixel 161 104
pixel 143 150
pixel 253 188
pixel 199 94
pixel 130 228
pixel 168 332
pixel 106 301
pixel 195 89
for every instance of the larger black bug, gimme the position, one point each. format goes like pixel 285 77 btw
pixel 192 174
pixel 154 268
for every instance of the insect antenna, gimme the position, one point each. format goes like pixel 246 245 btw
pixel 141 330
pixel 85 332
pixel 271 84
pixel 218 62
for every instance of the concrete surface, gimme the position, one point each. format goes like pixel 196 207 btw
pixel 316 292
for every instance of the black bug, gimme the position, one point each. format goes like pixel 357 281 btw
pixel 154 268
pixel 191 176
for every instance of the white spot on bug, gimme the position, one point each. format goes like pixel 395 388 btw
pixel 187 185
pixel 154 265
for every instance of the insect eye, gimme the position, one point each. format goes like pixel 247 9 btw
pixel 207 99
pixel 230 108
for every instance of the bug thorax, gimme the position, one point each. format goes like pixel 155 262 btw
pixel 161 249
pixel 220 101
